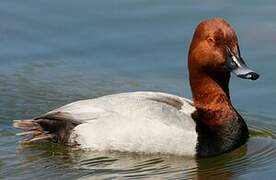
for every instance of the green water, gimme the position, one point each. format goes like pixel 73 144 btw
pixel 56 52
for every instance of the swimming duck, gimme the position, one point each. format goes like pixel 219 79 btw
pixel 156 122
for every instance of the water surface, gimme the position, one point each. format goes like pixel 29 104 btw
pixel 56 52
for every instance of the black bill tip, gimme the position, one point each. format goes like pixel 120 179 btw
pixel 249 75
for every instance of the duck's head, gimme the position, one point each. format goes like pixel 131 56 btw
pixel 215 50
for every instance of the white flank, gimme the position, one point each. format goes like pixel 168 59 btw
pixel 149 122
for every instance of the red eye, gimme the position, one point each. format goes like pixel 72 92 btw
pixel 211 40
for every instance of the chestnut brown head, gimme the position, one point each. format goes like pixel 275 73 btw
pixel 215 49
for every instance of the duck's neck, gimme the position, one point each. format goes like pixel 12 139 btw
pixel 211 98
pixel 219 126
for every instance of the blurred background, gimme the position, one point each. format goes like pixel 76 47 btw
pixel 56 52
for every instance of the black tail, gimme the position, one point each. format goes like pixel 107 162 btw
pixel 46 128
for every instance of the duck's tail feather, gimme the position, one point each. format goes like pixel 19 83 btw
pixel 44 129
pixel 32 131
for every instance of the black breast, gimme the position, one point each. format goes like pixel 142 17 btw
pixel 215 140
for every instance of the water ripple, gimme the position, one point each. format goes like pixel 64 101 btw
pixel 59 161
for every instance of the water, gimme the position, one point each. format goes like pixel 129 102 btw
pixel 56 52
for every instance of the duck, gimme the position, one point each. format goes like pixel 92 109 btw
pixel 158 122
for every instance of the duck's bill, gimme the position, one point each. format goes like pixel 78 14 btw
pixel 246 73
pixel 238 67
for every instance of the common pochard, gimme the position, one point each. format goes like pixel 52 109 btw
pixel 155 122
